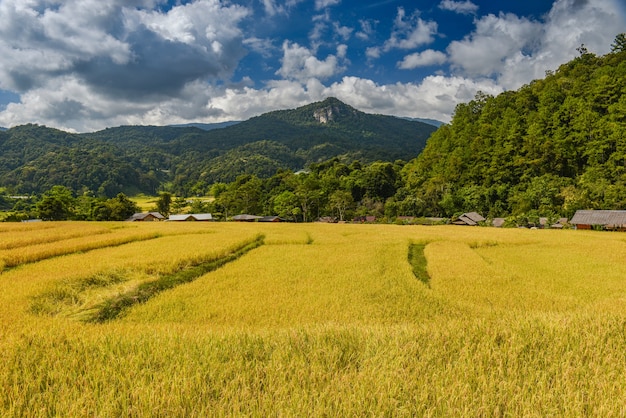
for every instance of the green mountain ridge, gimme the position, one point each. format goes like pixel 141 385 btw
pixel 134 159
pixel 554 146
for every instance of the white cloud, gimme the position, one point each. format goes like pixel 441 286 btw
pixel 410 32
pixel 367 29
pixel 373 52
pixel 121 62
pixel 515 50
pixel 299 63
pixel 321 4
pixel 496 38
pixel 462 7
pixel 422 59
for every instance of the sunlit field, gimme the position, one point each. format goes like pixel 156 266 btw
pixel 232 319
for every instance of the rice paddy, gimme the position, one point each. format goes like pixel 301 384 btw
pixel 231 319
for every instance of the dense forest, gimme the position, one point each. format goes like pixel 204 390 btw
pixel 553 146
pixel 187 160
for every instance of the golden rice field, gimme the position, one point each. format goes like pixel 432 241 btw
pixel 292 320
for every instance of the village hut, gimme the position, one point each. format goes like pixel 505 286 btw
pixel 613 220
pixel 146 217
pixel 191 217
pixel 469 218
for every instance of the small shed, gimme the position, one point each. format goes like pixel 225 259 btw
pixel 246 218
pixel 146 217
pixel 327 219
pixel 271 219
pixel 613 220
pixel 498 222
pixel 364 219
pixel 469 218
pixel 559 224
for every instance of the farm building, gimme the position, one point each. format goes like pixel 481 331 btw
pixel 246 218
pixel 363 219
pixel 146 217
pixel 498 222
pixel 327 219
pixel 200 217
pixel 559 224
pixel 614 220
pixel 469 218
pixel 271 219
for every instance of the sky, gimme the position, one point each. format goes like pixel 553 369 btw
pixel 84 65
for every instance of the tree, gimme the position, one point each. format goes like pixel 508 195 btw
pixel 286 205
pixel 619 45
pixel 57 204
pixel 341 200
pixel 164 203
pixel 121 207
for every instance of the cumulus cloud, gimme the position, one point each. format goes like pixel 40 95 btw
pixel 87 64
pixel 88 59
pixel 422 59
pixel 410 31
pixel 496 38
pixel 516 50
pixel 299 63
pixel 463 7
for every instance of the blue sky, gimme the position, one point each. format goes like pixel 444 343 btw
pixel 83 65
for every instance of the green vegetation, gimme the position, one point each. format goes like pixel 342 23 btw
pixel 552 147
pixel 187 160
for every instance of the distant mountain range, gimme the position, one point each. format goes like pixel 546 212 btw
pixel 136 159
pixel 433 122
pixel 207 126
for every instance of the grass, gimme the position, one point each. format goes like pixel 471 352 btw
pixel 322 320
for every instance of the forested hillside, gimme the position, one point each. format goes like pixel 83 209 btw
pixel 554 146
pixel 186 160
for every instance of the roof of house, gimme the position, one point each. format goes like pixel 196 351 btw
pixel 246 217
pixel 498 222
pixel 179 217
pixel 202 216
pixel 271 219
pixel 599 217
pixel 143 215
pixel 469 218
pixel 191 217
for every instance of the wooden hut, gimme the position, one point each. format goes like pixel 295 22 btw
pixel 146 217
pixel 613 220
pixel 469 218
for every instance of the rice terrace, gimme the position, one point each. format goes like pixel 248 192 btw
pixel 237 319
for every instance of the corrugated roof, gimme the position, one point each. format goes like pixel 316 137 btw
pixel 599 217
pixel 202 216
pixel 245 217
pixel 179 217
pixel 144 215
pixel 469 218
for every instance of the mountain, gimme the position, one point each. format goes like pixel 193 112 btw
pixel 2 129
pixel 554 146
pixel 142 158
pixel 433 122
pixel 207 126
